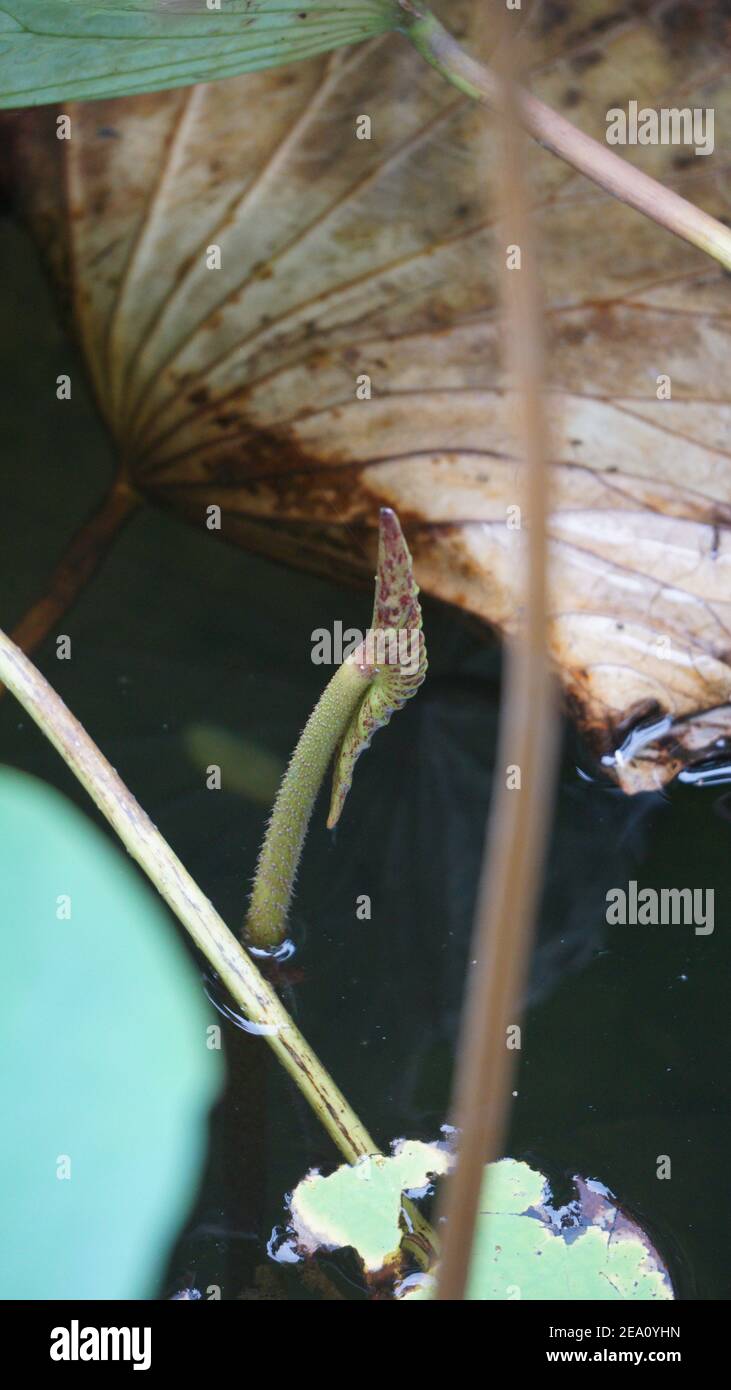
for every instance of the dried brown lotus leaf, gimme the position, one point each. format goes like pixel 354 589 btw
pixel 344 258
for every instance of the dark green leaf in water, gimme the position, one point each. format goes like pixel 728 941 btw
pixel 107 1075
pixel 247 768
pixel 64 50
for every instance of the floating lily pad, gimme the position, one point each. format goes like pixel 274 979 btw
pixel 527 1249
pixel 361 1205
pixel 524 1247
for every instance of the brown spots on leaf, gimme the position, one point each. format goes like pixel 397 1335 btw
pixel 553 14
pixel 261 418
pixel 644 712
pixel 581 62
pixel 571 334
pixel 603 23
pixel 686 23
pixel 284 79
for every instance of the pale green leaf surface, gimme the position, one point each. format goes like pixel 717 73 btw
pixel 105 1061
pixel 360 1205
pixel 513 1188
pixel 67 50
pixel 523 1250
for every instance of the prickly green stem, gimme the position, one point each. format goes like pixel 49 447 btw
pixel 238 972
pixel 280 855
pixel 386 670
pixel 251 991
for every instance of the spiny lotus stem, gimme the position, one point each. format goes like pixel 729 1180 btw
pixel 373 682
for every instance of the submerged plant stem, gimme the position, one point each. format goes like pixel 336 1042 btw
pixel 209 932
pixel 84 554
pixel 266 921
pixel 612 173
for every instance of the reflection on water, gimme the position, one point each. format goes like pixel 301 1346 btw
pixel 213 992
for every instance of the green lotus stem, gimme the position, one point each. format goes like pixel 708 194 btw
pixel 377 679
pixel 147 846
pixel 266 921
pixel 175 885
pixel 600 164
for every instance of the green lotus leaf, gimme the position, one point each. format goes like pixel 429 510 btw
pixel 525 1249
pixel 68 50
pixel 108 1075
pixel 360 1205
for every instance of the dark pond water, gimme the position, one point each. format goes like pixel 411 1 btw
pixel 180 640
